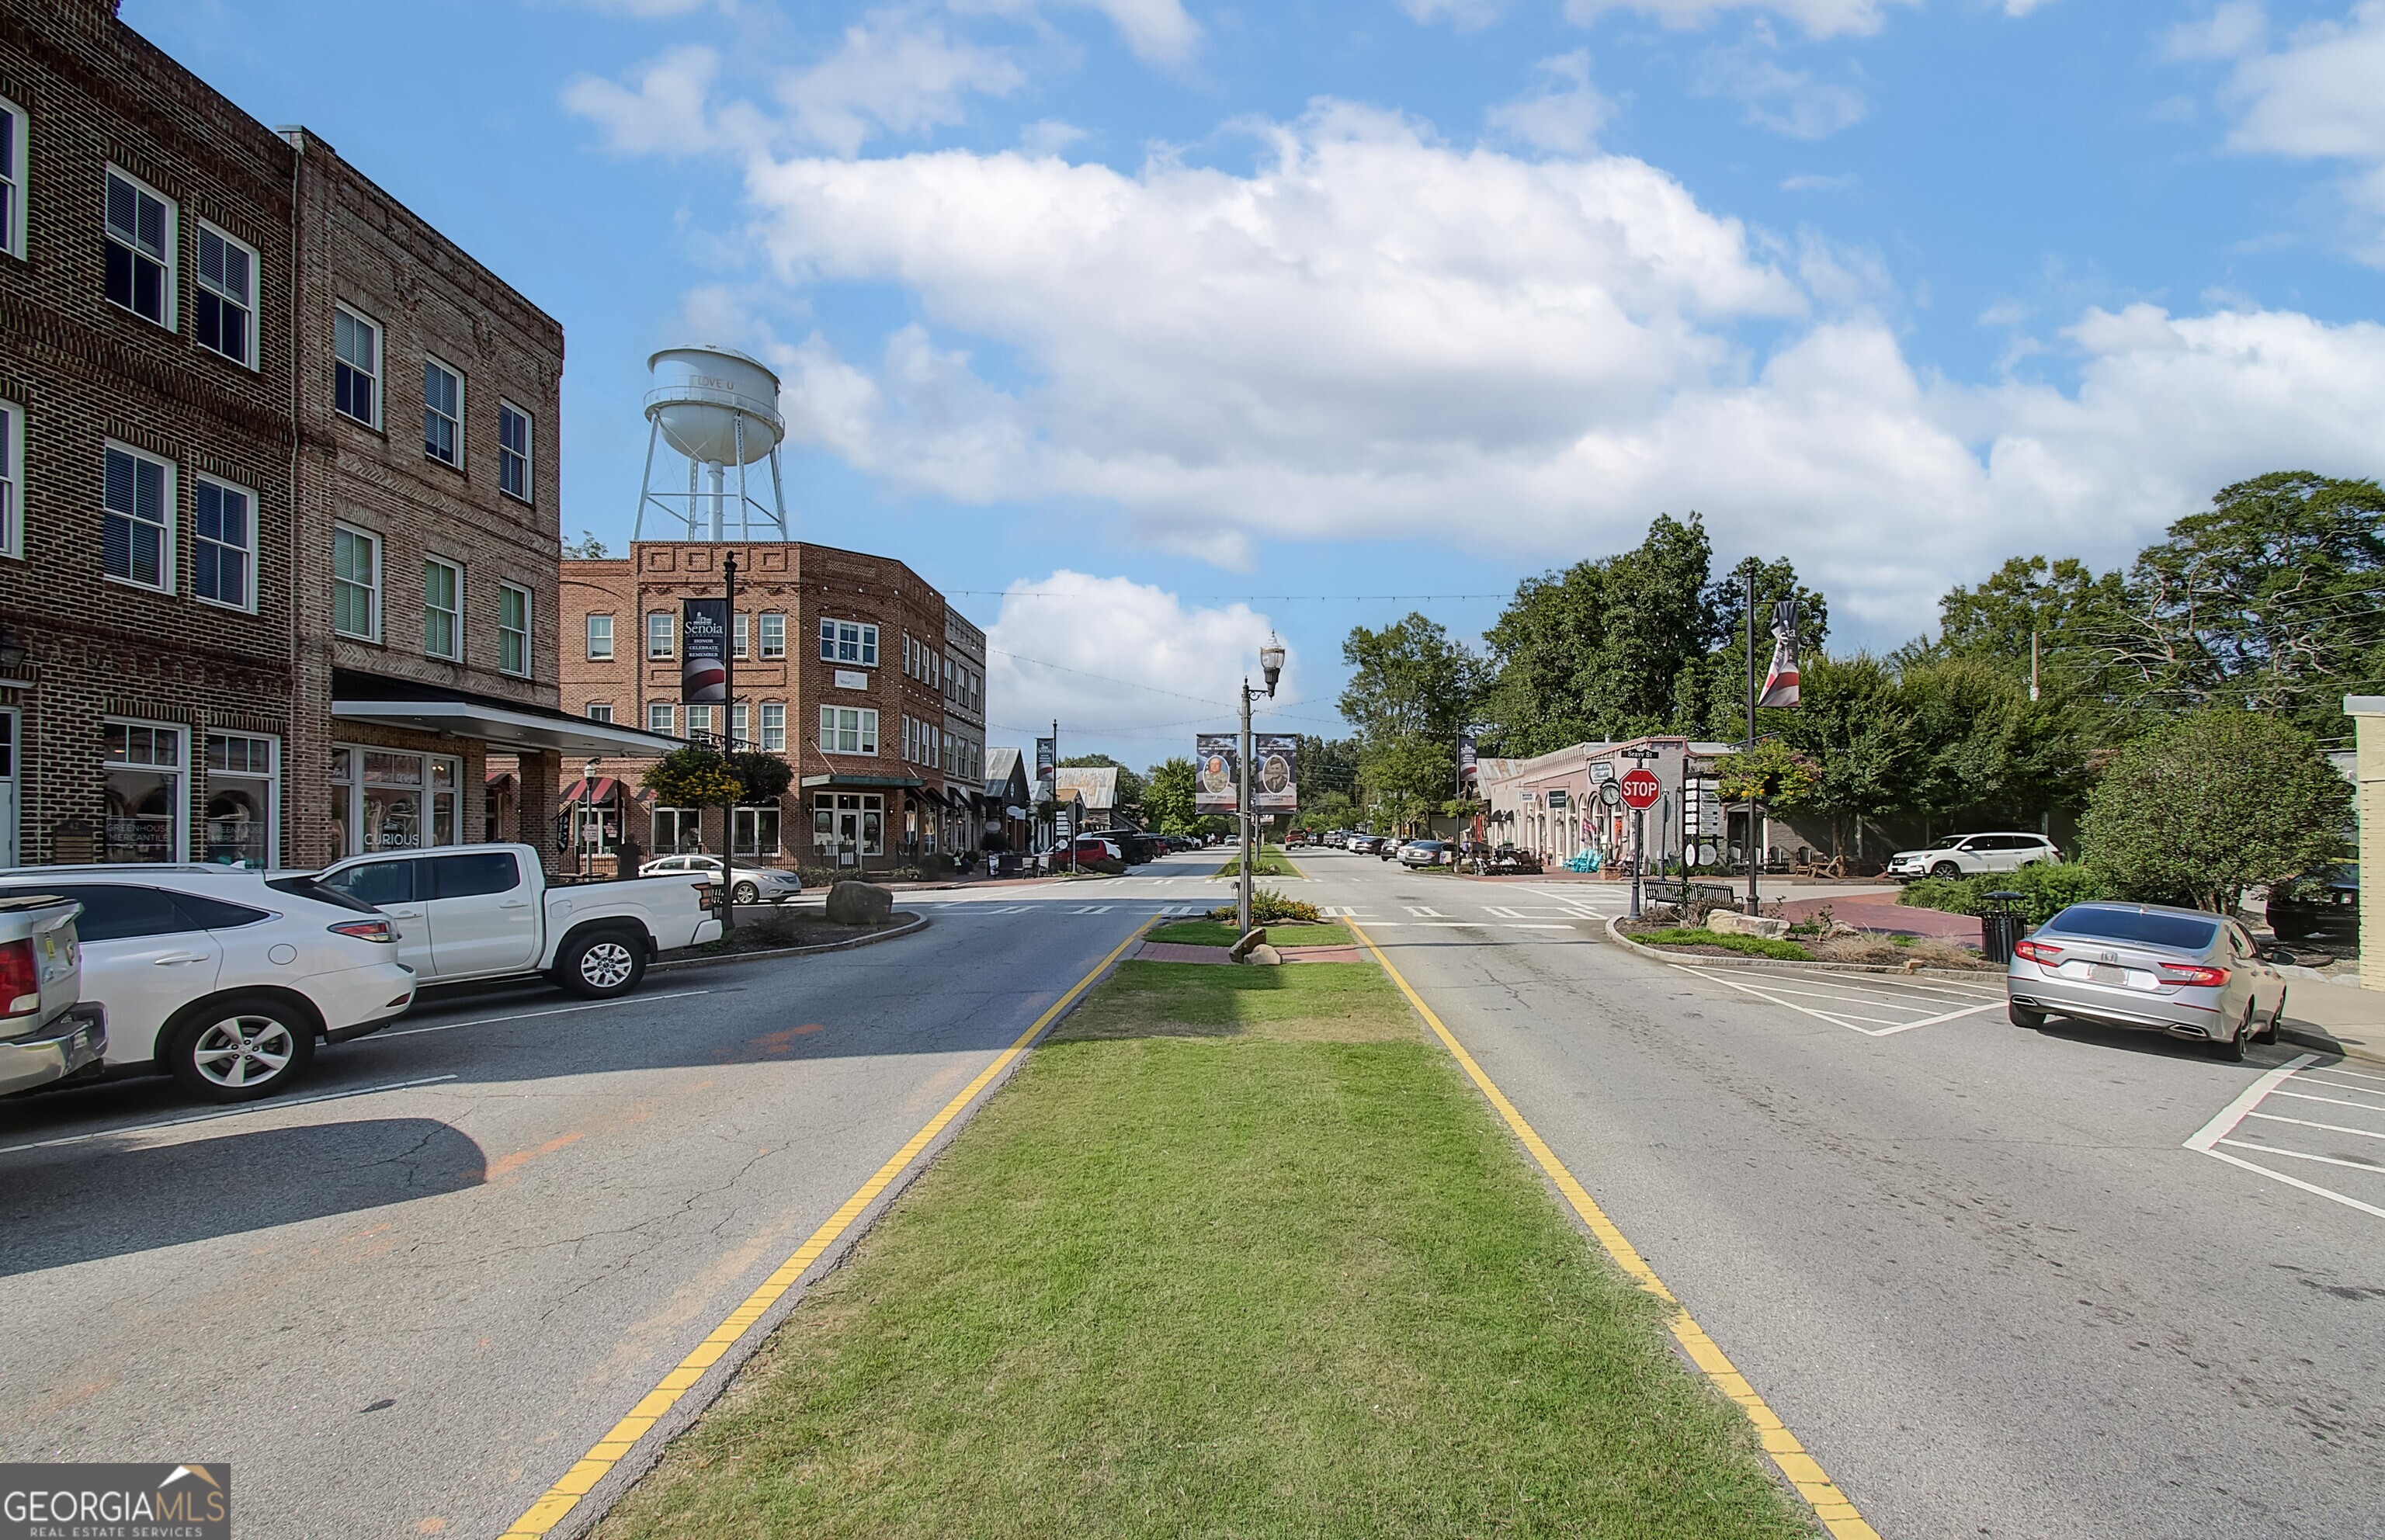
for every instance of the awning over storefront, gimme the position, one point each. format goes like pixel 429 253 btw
pixel 416 707
pixel 603 789
pixel 501 780
pixel 862 783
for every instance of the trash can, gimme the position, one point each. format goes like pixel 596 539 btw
pixel 1999 926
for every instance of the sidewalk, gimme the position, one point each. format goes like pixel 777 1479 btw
pixel 2336 1017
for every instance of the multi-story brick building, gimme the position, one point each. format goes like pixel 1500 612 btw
pixel 251 616
pixel 848 665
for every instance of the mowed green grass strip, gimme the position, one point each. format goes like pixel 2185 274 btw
pixel 1237 1253
pixel 1217 932
pixel 1269 864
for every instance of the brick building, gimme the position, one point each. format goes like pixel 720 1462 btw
pixel 250 617
pixel 847 665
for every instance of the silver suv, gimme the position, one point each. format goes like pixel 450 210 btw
pixel 1973 853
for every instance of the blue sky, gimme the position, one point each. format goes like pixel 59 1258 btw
pixel 1139 325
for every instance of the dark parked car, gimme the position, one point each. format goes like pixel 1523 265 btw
pixel 2319 909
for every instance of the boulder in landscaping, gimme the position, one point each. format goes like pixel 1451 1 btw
pixel 1724 922
pixel 859 903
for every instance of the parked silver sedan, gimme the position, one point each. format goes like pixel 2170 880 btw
pixel 2178 971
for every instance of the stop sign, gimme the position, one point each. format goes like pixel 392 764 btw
pixel 1640 790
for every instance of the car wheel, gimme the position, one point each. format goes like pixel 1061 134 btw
pixel 2023 1015
pixel 745 892
pixel 2231 1052
pixel 2277 1020
pixel 603 964
pixel 241 1048
pixel 1945 869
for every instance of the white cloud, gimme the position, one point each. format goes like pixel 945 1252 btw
pixel 1156 30
pixel 892 73
pixel 2231 30
pixel 2322 97
pixel 1820 18
pixel 1813 182
pixel 1048 136
pixel 1786 101
pixel 1188 659
pixel 1465 14
pixel 667 114
pixel 1564 115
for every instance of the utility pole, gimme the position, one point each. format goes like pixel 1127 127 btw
pixel 1754 899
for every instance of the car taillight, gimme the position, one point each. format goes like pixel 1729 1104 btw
pixel 2197 974
pixel 20 982
pixel 366 930
pixel 2037 952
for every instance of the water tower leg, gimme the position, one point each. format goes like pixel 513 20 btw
pixel 646 481
pixel 695 502
pixel 744 521
pixel 717 497
pixel 779 491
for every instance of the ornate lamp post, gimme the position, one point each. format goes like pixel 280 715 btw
pixel 1271 665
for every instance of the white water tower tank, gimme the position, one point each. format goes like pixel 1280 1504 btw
pixel 700 395
pixel 719 408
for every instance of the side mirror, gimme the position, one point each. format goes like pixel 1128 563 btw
pixel 2282 956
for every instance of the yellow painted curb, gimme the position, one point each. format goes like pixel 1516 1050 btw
pixel 559 1499
pixel 1829 1505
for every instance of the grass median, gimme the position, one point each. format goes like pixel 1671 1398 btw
pixel 1267 863
pixel 1217 932
pixel 1238 1253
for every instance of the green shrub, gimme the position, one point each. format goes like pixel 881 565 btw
pixel 1268 908
pixel 2047 887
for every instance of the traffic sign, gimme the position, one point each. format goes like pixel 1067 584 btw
pixel 1640 790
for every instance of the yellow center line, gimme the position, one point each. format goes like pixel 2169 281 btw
pixel 608 1451
pixel 1829 1505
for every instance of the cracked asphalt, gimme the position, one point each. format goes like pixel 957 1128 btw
pixel 402 1309
pixel 1971 1266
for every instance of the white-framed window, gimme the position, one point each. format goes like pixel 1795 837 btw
pixel 442 608
pixel 659 717
pixel 678 828
pixel 383 799
pixel 740 626
pixel 774 635
pixel 699 721
pixel 356 367
pixel 513 630
pixel 13 151
pixel 137 519
pixel 356 583
pixel 848 730
pixel 443 412
pixel 223 550
pixel 600 638
pixel 12 459
pixel 139 248
pixel 662 634
pixel 847 824
pixel 600 711
pixel 227 295
pixel 738 738
pixel 243 806
pixel 513 450
pixel 848 642
pixel 774 727
pixel 755 831
pixel 143 776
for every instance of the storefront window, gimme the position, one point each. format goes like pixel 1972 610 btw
pixel 241 799
pixel 757 831
pixel 847 825
pixel 678 830
pixel 447 807
pixel 393 800
pixel 143 772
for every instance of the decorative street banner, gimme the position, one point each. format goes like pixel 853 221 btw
pixel 1273 785
pixel 1047 752
pixel 1780 684
pixel 704 651
pixel 1215 758
pixel 1466 762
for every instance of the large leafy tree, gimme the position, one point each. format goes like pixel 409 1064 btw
pixel 1168 789
pixel 1851 723
pixel 2206 805
pixel 1978 748
pixel 1412 689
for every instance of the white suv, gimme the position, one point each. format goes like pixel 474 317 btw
pixel 226 977
pixel 1972 854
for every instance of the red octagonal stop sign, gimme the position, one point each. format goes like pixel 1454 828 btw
pixel 1640 790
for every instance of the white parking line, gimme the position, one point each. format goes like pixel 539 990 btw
pixel 271 1105
pixel 1880 1027
pixel 526 1015
pixel 2207 1139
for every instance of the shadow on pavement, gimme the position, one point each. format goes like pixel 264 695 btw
pixel 79 1202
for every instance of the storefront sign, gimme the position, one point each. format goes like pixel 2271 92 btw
pixel 704 651
pixel 849 679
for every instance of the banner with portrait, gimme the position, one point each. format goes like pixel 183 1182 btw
pixel 1274 770
pixel 1217 758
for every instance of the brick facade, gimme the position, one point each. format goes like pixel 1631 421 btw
pixel 805 584
pixel 101 114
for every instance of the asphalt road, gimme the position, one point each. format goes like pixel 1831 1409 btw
pixel 1974 1267
pixel 404 1299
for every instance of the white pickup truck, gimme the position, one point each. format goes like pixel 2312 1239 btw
pixel 485 911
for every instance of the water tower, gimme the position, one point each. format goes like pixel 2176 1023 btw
pixel 719 409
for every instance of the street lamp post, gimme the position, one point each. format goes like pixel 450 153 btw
pixel 1271 665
